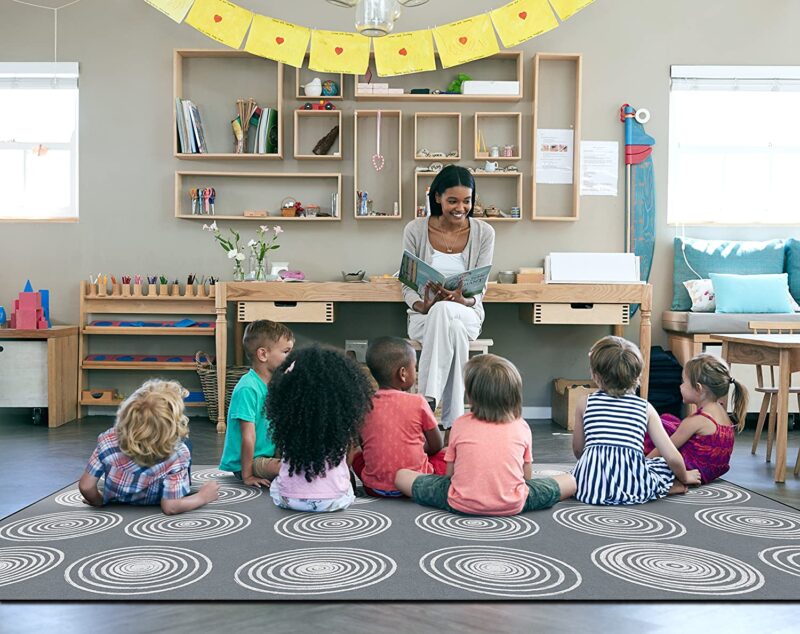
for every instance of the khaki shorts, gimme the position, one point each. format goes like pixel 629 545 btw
pixel 432 490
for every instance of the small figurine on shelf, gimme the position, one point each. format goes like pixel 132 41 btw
pixel 361 203
pixel 324 145
pixel 330 88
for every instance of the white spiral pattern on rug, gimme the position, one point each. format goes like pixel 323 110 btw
pixel 61 525
pixel 783 558
pixel 490 529
pixel 363 498
pixel 138 570
pixel 333 527
pixel 752 522
pixel 315 571
pixel 204 475
pixel 619 523
pixel 202 524
pixel 711 494
pixel 500 571
pixel 231 493
pixel 20 563
pixel 676 568
pixel 70 498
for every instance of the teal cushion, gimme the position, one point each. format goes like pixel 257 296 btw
pixel 751 293
pixel 793 267
pixel 721 256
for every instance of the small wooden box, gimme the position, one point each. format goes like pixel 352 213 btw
pixel 286 312
pixel 606 314
pixel 530 278
pixel 99 397
pixel 566 394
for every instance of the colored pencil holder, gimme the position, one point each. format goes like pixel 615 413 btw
pixel 137 290
pixel 163 290
pixel 102 289
pixel 175 290
pixel 201 290
pixel 212 290
pixel 126 290
pixel 91 289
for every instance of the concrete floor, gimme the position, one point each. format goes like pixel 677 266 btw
pixel 37 461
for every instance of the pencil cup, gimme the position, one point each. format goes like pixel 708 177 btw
pixel 137 290
pixel 175 290
pixel 163 290
pixel 102 289
pixel 212 290
pixel 201 290
pixel 91 289
pixel 126 289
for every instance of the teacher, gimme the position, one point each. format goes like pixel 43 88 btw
pixel 451 241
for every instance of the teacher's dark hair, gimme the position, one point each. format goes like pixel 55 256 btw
pixel 450 176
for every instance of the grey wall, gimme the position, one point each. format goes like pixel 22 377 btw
pixel 125 54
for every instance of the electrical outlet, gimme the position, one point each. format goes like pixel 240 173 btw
pixel 356 348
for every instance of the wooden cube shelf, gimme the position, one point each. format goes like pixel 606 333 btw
pixel 387 181
pixel 487 177
pixel 303 74
pixel 309 127
pixel 497 129
pixel 435 131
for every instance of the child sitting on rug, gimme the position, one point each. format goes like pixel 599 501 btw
pixel 705 439
pixel 609 435
pixel 400 431
pixel 490 452
pixel 144 457
pixel 249 451
pixel 317 402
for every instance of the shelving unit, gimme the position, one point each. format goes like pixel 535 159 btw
pixel 306 136
pixel 499 177
pixel 213 79
pixel 445 131
pixel 497 127
pixel 252 193
pixel 303 75
pixel 503 66
pixel 93 305
pixel 366 177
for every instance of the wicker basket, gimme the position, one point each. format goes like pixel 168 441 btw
pixel 207 372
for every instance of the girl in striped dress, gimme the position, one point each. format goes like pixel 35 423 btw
pixel 608 438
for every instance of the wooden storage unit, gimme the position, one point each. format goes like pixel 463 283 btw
pixel 303 75
pixel 538 90
pixel 303 147
pixel 230 75
pixel 365 176
pixel 182 306
pixel 504 128
pixel 505 65
pixel 421 132
pixel 502 177
pixel 288 312
pixel 39 368
pixel 250 195
pixel 580 313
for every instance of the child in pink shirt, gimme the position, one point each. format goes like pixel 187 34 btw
pixel 400 431
pixel 489 455
pixel 316 401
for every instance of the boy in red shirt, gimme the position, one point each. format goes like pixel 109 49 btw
pixel 400 432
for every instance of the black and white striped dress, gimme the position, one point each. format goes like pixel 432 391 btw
pixel 613 468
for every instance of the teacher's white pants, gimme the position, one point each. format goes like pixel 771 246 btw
pixel 445 333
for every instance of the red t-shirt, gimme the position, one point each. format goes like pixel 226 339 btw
pixel 393 437
pixel 488 471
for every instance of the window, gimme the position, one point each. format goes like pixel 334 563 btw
pixel 39 141
pixel 734 145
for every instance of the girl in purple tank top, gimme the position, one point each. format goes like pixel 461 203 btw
pixel 705 439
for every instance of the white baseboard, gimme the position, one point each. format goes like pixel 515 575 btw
pixel 537 412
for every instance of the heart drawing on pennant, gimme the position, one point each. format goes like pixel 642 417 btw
pixel 462 39
pixel 339 50
pixel 279 40
pixel 523 15
pixel 403 52
pixel 217 18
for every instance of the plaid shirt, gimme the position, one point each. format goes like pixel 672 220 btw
pixel 130 483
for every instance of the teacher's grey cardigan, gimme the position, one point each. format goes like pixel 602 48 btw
pixel 478 252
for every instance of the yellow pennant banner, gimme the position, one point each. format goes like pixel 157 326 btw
pixel 568 8
pixel 404 53
pixel 282 41
pixel 220 20
pixel 465 41
pixel 521 20
pixel 338 52
pixel 175 9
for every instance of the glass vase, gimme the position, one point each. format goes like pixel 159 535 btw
pixel 238 271
pixel 260 271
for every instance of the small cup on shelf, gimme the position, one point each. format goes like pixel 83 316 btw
pixel 102 288
pixel 175 290
pixel 137 290
pixel 163 290
pixel 91 289
pixel 201 290
pixel 126 290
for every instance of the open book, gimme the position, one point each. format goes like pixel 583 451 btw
pixel 416 273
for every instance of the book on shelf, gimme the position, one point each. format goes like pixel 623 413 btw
pixel 416 273
pixel 191 135
pixel 197 128
pixel 272 131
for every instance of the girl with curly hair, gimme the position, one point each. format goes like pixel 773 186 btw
pixel 317 401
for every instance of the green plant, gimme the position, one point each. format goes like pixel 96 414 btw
pixel 455 85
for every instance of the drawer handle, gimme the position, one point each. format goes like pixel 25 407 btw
pixel 285 304
pixel 1 348
pixel 582 306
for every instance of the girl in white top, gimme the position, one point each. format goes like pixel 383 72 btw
pixel 446 321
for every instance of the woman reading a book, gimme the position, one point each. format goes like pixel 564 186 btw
pixel 445 321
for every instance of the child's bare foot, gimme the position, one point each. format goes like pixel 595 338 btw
pixel 677 488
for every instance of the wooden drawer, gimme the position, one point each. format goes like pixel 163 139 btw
pixel 23 373
pixel 286 312
pixel 606 314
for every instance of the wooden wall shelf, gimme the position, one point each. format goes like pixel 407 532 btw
pixel 422 139
pixel 505 125
pixel 303 145
pixel 365 176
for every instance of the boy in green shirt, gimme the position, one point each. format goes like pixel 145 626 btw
pixel 249 451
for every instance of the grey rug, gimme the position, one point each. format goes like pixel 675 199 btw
pixel 718 542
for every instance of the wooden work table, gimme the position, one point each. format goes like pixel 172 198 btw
pixel 314 295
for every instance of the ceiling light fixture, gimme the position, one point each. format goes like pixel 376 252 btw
pixel 375 18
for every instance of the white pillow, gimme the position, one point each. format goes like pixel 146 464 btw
pixel 704 301
pixel 702 295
